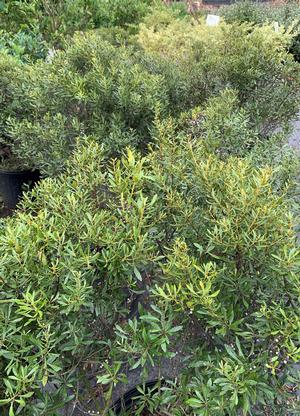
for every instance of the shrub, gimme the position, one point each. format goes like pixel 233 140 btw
pixel 202 235
pixel 244 11
pixel 92 88
pixel 160 16
pixel 52 20
pixel 13 76
pixel 103 91
pixel 251 60
pixel 56 20
pixel 14 14
pixel 231 282
pixel 117 36
pixel 283 159
pixel 26 46
pixel 122 13
pixel 287 15
pixel 226 129
pixel 224 126
pixel 10 73
pixel 71 273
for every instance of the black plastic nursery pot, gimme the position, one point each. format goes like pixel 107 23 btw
pixel 13 183
pixel 130 398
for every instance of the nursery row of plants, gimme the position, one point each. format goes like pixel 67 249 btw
pixel 158 250
pixel 30 28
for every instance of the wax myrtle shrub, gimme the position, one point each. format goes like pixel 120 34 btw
pixel 286 14
pixel 249 59
pixel 86 243
pixel 15 14
pixel 225 129
pixel 285 162
pixel 92 88
pixel 230 281
pixel 161 16
pixel 124 13
pixel 50 20
pixel 55 20
pixel 20 33
pixel 224 125
pixel 13 103
pixel 206 242
pixel 243 11
pixel 100 90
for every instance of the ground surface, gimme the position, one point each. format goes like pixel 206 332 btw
pixel 294 140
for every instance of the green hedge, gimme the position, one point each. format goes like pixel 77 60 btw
pixel 54 20
pixel 103 90
pixel 93 89
pixel 287 15
pixel 209 239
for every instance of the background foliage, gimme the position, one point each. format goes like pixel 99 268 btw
pixel 104 85
pixel 286 14
pixel 55 20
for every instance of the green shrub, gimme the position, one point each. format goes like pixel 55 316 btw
pixel 117 36
pixel 13 80
pixel 161 16
pixel 206 237
pixel 251 60
pixel 287 15
pixel 99 238
pixel 244 11
pixel 26 46
pixel 104 91
pixel 232 285
pixel 55 20
pixel 16 14
pixel 278 154
pixel 122 13
pixel 92 88
pixel 224 126
pixel 51 19
pixel 10 73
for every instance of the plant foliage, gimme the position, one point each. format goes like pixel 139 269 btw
pixel 211 241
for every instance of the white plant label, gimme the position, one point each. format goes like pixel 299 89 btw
pixel 276 26
pixel 212 20
pixel 50 55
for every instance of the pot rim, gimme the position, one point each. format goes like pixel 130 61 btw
pixel 18 172
pixel 126 398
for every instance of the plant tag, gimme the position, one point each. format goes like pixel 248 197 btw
pixel 212 20
pixel 50 55
pixel 276 26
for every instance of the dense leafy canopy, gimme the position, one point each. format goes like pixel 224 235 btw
pixel 162 240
